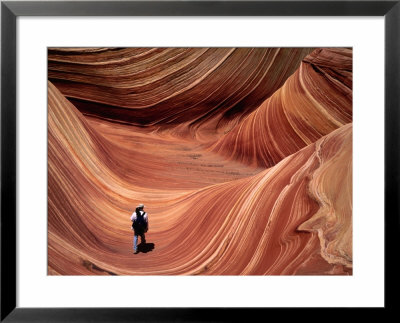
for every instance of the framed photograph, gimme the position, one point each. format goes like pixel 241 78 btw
pixel 197 160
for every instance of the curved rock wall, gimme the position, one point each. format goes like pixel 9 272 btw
pixel 313 102
pixel 272 196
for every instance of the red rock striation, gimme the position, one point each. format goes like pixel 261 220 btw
pixel 273 196
pixel 313 102
pixel 200 87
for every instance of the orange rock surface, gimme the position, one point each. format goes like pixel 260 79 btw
pixel 313 102
pixel 243 158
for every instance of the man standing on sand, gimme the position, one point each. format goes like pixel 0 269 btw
pixel 140 225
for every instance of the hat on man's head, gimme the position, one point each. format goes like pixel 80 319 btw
pixel 140 206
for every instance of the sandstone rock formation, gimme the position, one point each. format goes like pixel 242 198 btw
pixel 243 158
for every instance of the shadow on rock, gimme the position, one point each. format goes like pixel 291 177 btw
pixel 145 247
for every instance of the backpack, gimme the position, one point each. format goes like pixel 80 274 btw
pixel 139 224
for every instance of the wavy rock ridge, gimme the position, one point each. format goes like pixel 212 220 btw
pixel 313 102
pixel 193 87
pixel 243 158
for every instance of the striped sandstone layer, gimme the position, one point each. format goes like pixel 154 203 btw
pixel 201 89
pixel 313 102
pixel 210 213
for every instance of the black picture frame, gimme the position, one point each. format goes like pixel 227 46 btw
pixel 10 10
